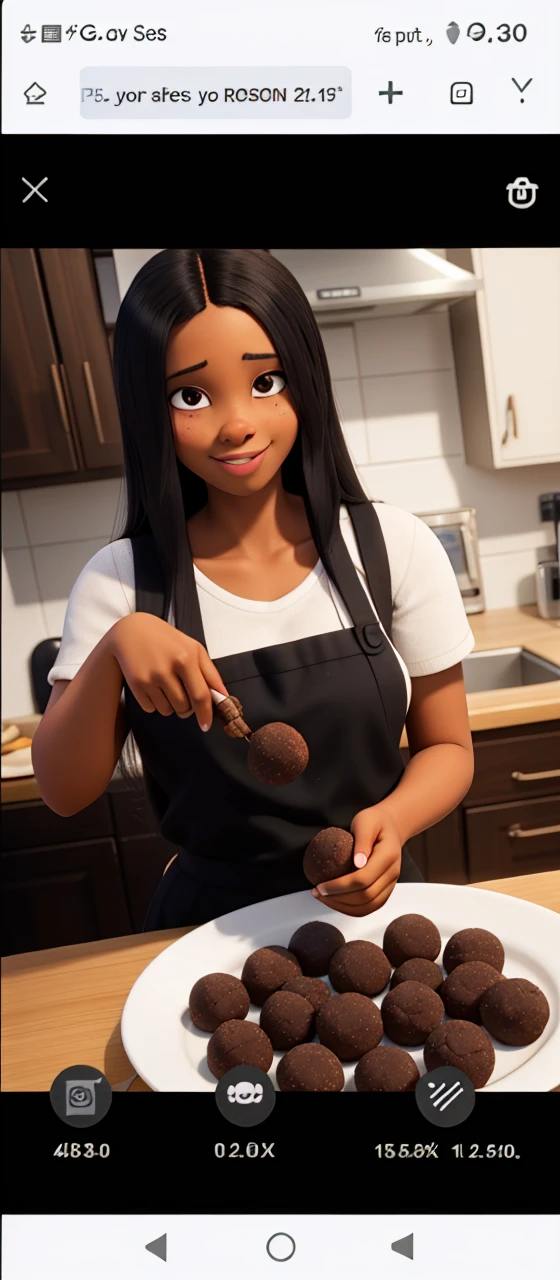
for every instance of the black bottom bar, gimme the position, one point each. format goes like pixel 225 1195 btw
pixel 174 1153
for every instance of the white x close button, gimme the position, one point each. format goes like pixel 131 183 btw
pixel 34 190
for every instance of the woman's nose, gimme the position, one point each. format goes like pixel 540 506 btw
pixel 236 431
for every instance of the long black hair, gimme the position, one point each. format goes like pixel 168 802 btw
pixel 161 493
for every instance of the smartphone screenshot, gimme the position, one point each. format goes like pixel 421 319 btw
pixel 280 638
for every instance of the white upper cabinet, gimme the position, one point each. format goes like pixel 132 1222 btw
pixel 506 343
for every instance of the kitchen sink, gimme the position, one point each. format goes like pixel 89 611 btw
pixel 506 669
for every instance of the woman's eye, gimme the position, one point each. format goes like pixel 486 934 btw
pixel 268 384
pixel 189 398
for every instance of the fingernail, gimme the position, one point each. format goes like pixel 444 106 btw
pixel 360 859
pixel 205 728
pixel 321 889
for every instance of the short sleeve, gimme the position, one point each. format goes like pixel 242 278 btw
pixel 103 593
pixel 430 626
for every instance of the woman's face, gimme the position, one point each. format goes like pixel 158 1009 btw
pixel 233 422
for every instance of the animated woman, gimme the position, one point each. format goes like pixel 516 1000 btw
pixel 252 563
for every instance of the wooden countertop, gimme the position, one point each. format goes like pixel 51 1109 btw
pixel 64 1006
pixel 495 629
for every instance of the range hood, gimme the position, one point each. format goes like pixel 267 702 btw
pixel 357 283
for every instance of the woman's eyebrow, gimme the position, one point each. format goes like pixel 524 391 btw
pixel 192 369
pixel 267 355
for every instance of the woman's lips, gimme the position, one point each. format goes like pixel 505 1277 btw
pixel 242 468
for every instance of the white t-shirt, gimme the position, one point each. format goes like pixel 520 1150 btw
pixel 430 627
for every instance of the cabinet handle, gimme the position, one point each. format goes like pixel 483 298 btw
pixel 61 402
pixel 511 417
pixel 516 832
pixel 94 407
pixel 535 777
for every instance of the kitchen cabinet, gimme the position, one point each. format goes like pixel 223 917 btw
pixel 60 894
pixel 37 439
pixel 60 418
pixel 515 789
pixel 513 839
pixel 506 342
pixel 81 878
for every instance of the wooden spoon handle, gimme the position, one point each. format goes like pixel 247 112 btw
pixel 230 712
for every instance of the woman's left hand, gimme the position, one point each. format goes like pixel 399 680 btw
pixel 377 855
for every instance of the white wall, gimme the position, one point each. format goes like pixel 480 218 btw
pixel 395 385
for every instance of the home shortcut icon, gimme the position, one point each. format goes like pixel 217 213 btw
pixel 522 193
pixel 35 95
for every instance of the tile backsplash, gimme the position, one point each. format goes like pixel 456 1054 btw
pixel 394 382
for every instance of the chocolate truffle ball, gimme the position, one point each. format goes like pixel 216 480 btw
pixel 359 966
pixel 277 754
pixel 309 1068
pixel 287 1019
pixel 409 937
pixel 463 1045
pixel 314 990
pixel 329 855
pixel 349 1024
pixel 424 971
pixel 266 970
pixel 238 1044
pixel 463 988
pixel 473 944
pixel 215 999
pixel 313 945
pixel 386 1070
pixel 515 1011
pixel 410 1012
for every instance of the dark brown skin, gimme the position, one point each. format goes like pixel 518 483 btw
pixel 253 539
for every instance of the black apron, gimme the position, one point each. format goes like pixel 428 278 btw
pixel 240 840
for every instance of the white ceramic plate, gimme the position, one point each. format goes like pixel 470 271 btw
pixel 17 764
pixel 169 1053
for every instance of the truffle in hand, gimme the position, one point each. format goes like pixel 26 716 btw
pixel 277 754
pixel 329 855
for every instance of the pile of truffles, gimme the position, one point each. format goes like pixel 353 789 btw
pixel 450 1015
pixel 277 752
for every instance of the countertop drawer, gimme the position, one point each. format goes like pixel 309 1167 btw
pixel 495 764
pixel 33 823
pixel 493 852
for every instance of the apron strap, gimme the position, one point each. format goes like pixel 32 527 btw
pixel 373 554
pixel 149 584
pixel 148 577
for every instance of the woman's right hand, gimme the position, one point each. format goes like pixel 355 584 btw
pixel 166 670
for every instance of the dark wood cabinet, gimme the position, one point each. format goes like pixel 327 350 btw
pixel 37 438
pixel 81 878
pixel 59 409
pixel 515 790
pixel 439 852
pixel 61 894
pixel 513 839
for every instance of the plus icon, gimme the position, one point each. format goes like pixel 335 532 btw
pixel 390 93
